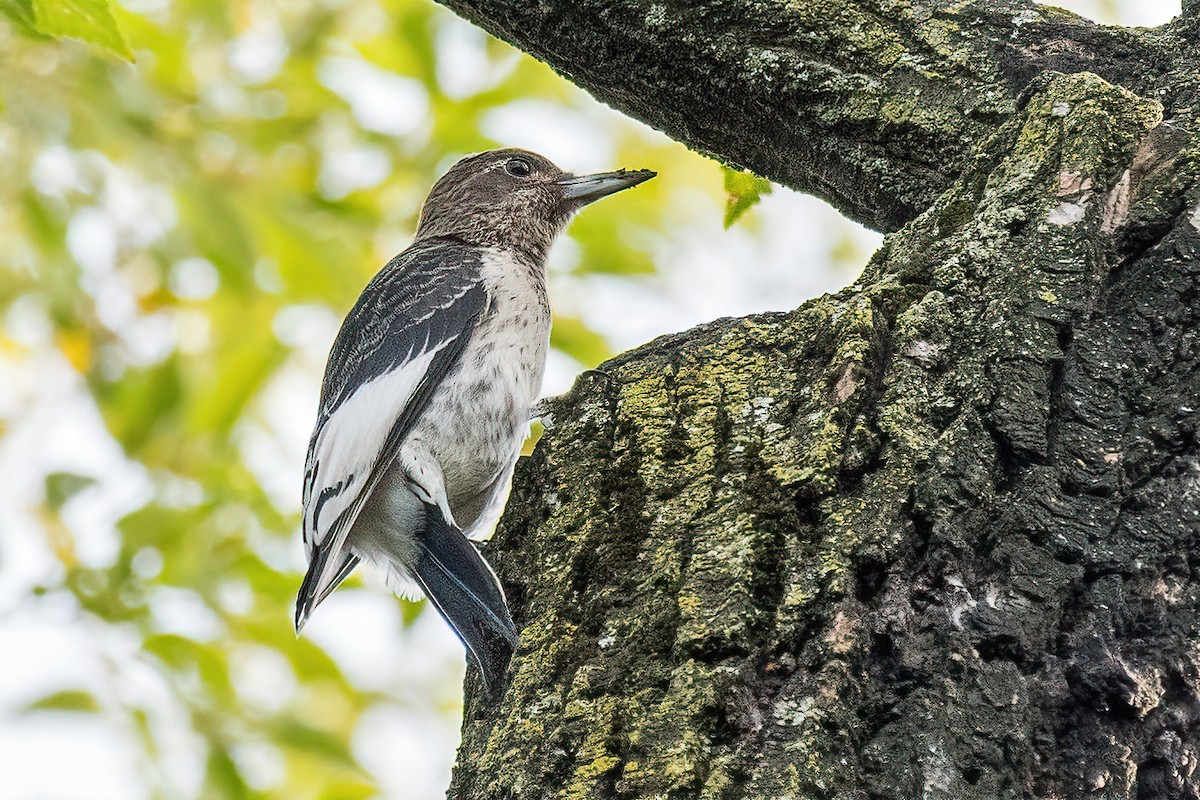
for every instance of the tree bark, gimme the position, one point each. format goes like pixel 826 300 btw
pixel 873 105
pixel 935 536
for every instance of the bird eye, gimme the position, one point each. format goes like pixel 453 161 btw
pixel 518 168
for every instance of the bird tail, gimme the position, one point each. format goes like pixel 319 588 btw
pixel 467 593
pixel 312 592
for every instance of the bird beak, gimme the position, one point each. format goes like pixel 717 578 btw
pixel 583 189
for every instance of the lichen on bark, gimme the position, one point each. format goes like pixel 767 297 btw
pixel 874 105
pixel 935 535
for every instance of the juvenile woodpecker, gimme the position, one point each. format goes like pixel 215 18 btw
pixel 425 400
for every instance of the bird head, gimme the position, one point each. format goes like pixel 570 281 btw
pixel 513 198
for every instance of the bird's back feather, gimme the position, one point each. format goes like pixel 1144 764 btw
pixel 401 339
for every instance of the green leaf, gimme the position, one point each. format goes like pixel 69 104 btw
pixel 218 228
pixel 351 790
pixel 576 339
pixel 62 486
pixel 410 610
pixel 20 12
pixel 67 700
pixel 89 20
pixel 223 775
pixel 743 190
pixel 317 743
pixel 184 654
pixel 140 401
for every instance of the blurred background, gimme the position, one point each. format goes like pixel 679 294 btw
pixel 179 238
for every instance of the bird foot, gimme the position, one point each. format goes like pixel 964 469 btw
pixel 543 409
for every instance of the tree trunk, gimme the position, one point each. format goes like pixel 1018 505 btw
pixel 935 536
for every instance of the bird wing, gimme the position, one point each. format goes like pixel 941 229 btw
pixel 400 340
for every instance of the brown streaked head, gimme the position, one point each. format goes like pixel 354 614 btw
pixel 513 198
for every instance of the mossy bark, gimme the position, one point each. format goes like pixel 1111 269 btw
pixel 937 535
pixel 874 105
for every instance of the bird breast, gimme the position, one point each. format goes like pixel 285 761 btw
pixel 498 376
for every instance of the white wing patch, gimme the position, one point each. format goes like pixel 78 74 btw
pixel 347 451
pixel 349 443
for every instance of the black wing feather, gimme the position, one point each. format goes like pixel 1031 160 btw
pixel 428 293
pixel 427 296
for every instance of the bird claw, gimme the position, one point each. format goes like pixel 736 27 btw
pixel 542 408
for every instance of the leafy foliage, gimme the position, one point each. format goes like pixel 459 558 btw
pixel 87 20
pixel 178 238
pixel 743 190
pixel 78 700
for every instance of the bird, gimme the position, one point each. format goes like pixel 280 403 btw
pixel 425 400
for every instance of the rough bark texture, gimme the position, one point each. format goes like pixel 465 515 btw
pixel 935 536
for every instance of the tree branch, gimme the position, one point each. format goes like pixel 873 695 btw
pixel 870 104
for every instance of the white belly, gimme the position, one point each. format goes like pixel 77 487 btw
pixel 479 416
